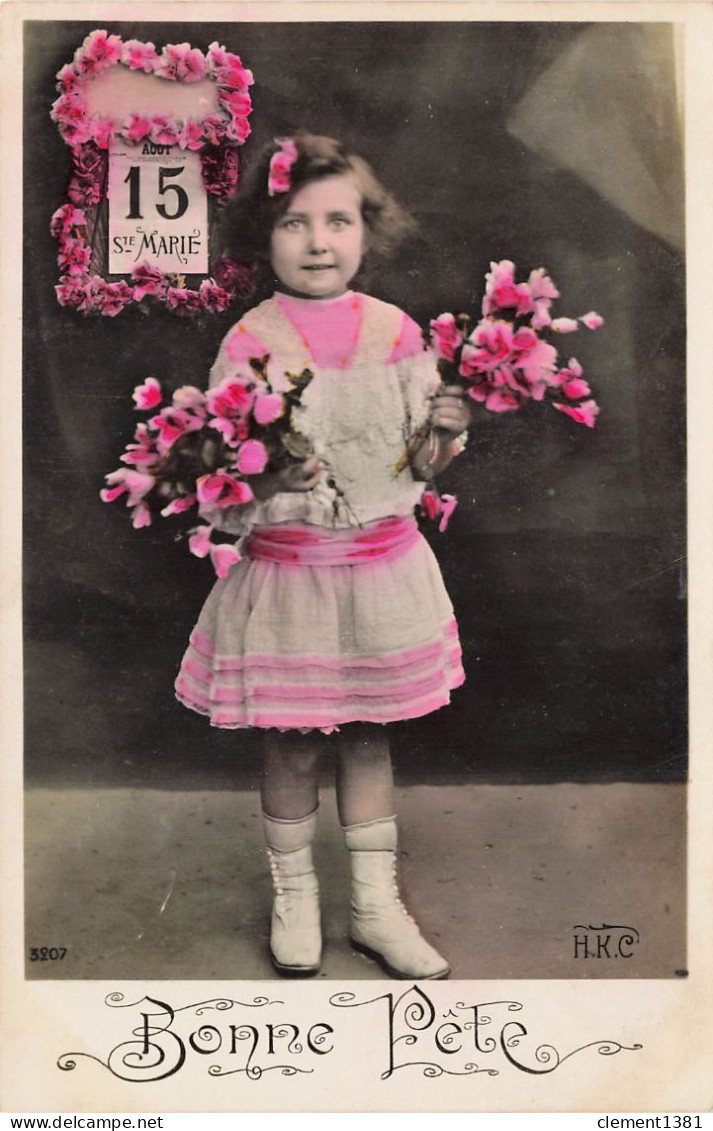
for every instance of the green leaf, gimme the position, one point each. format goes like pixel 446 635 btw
pixel 300 380
pixel 297 445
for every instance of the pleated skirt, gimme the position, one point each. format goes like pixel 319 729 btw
pixel 294 646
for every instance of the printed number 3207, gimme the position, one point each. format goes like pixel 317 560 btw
pixel 47 953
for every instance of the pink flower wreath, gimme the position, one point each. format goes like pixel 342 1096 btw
pixel 217 137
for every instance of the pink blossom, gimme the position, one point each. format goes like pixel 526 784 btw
pixel 171 423
pixel 434 505
pixel 214 127
pixel 237 102
pixel 541 285
pixel 68 107
pixel 179 505
pixel 541 316
pixel 228 69
pixel 222 490
pixel 103 130
pixel 191 135
pixel 74 256
pixel 140 516
pixel 147 395
pixel 66 218
pixel 238 129
pixel 199 541
pixel 538 363
pixel 68 79
pixel 88 162
pixel 139 56
pixel 69 112
pixel 488 346
pixel 147 280
pixel 114 297
pixel 85 185
pixel 252 458
pixel 445 336
pixel 99 50
pixel 232 431
pixel 230 398
pixel 268 407
pixel 76 133
pixel 501 274
pixel 183 300
pixel 213 297
pixel 93 295
pixel 448 505
pixel 503 293
pixel 508 296
pixel 592 320
pixel 498 401
pixel 505 375
pixel 524 339
pixel 136 127
pixel 223 556
pixel 124 481
pixel 584 413
pixel 142 453
pixel 70 291
pixel 281 162
pixel 219 170
pixel 236 277
pixel 564 325
pixel 164 130
pixel 181 61
pixel 572 371
pixel 576 388
pixel 429 502
pixel 188 396
pixel 480 391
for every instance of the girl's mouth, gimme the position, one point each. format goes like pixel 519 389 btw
pixel 318 267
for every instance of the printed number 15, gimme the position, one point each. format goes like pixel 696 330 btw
pixel 134 180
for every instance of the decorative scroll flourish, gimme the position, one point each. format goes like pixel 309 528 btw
pixel 411 1030
pixel 163 1041
pixel 216 137
pixel 629 933
pixel 448 1040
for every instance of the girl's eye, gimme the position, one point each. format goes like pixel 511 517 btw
pixel 292 224
pixel 339 223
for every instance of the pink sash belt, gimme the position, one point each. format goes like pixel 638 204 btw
pixel 302 544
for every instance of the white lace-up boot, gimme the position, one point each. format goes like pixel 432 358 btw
pixel 381 927
pixel 295 929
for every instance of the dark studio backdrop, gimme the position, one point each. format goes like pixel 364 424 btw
pixel 549 144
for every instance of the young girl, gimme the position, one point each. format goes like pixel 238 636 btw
pixel 337 619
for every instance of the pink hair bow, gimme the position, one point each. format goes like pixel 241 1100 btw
pixel 280 164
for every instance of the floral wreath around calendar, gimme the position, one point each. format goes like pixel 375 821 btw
pixel 216 136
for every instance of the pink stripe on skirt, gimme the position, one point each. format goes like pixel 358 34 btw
pixel 362 633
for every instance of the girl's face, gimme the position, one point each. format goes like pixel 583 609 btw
pixel 317 244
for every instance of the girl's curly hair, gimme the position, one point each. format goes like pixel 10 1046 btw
pixel 255 213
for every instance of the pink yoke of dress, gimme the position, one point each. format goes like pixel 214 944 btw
pixel 321 625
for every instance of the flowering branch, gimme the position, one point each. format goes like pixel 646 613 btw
pixel 195 456
pixel 503 360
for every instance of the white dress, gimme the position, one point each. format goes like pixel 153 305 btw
pixel 304 646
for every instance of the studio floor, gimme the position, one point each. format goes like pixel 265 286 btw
pixel 160 884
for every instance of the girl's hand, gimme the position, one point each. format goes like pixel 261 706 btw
pixel 295 477
pixel 451 410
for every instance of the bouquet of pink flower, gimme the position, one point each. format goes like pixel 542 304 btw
pixel 503 359
pixel 197 453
